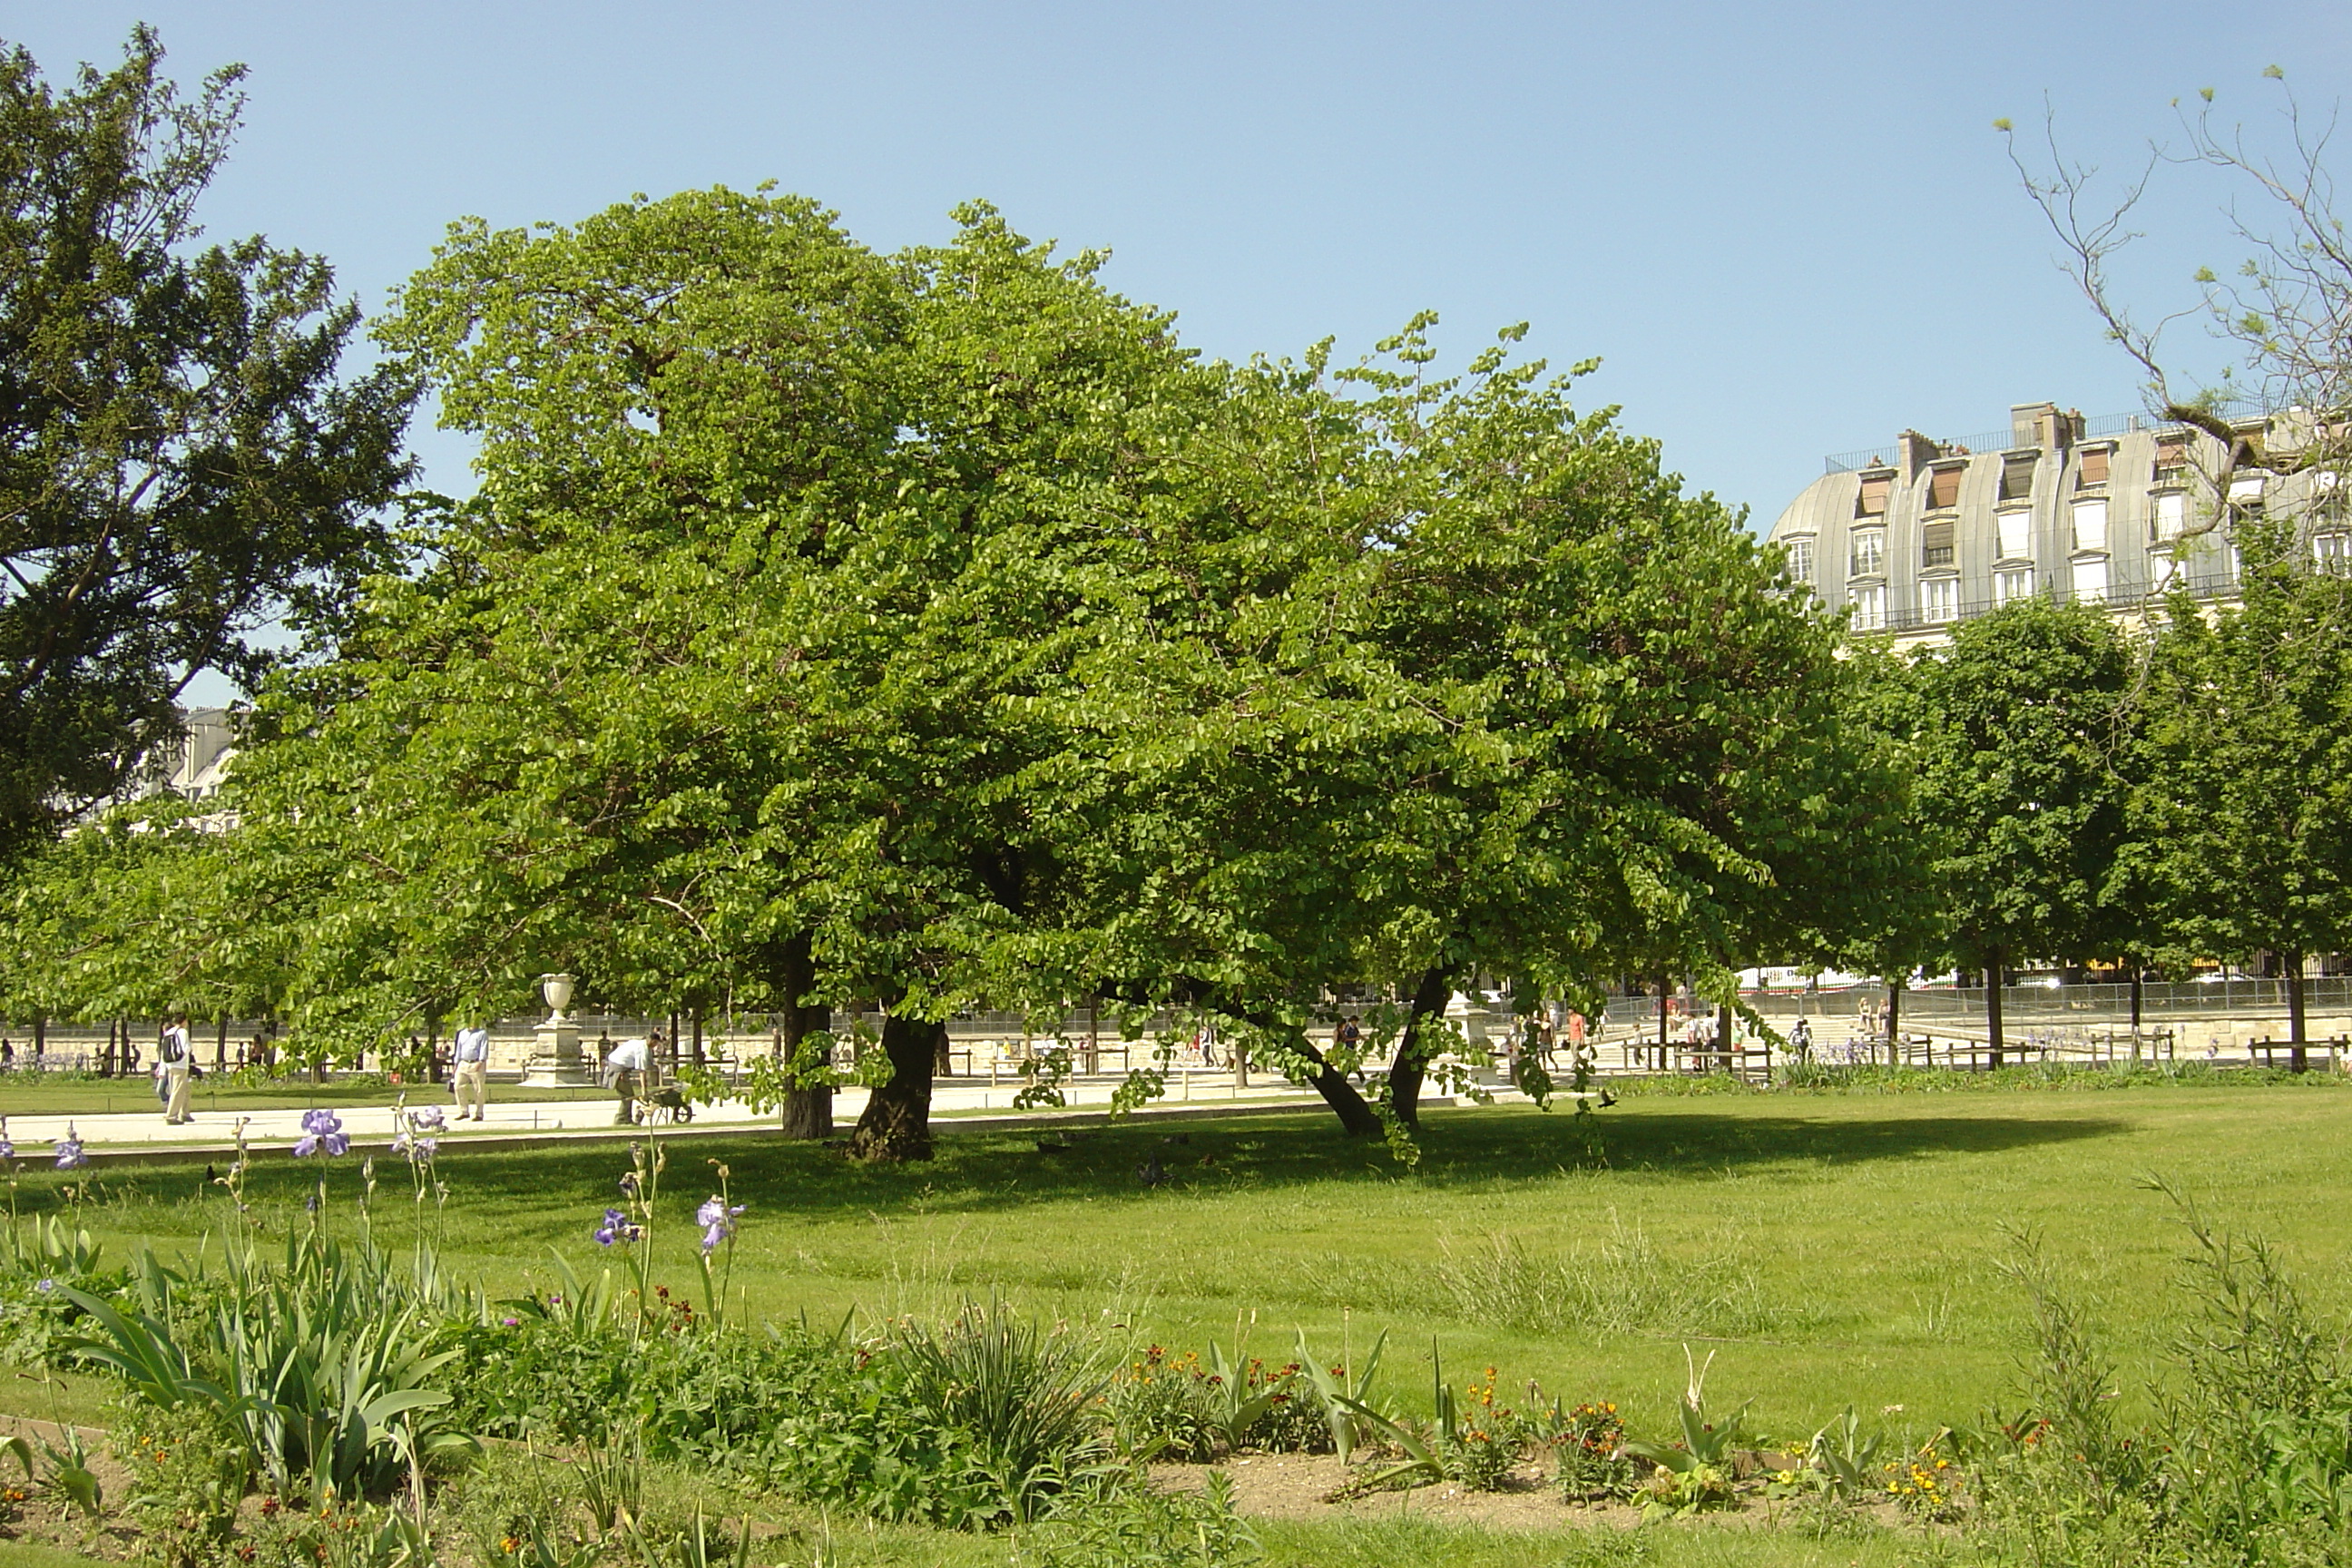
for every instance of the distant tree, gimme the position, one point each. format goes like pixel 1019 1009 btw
pixel 2242 840
pixel 1876 909
pixel 181 470
pixel 2022 751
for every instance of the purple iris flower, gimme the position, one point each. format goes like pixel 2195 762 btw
pixel 428 1119
pixel 718 1222
pixel 46 1286
pixel 70 1154
pixel 322 1132
pixel 616 1227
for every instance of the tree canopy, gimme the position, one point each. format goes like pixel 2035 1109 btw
pixel 183 474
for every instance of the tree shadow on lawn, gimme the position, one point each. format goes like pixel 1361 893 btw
pixel 558 1193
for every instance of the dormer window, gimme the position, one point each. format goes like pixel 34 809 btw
pixel 1943 488
pixel 1936 543
pixel 1868 557
pixel 2017 477
pixel 2172 460
pixel 2089 525
pixel 1872 502
pixel 2015 530
pixel 2092 469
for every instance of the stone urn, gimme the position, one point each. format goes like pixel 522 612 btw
pixel 556 989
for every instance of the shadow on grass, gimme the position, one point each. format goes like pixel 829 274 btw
pixel 558 1192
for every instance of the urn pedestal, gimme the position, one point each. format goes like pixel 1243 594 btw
pixel 556 1058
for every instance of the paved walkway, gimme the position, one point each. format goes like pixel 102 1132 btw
pixel 371 1127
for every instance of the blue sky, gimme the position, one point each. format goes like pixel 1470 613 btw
pixel 1786 229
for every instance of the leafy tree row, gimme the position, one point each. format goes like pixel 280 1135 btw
pixel 2154 799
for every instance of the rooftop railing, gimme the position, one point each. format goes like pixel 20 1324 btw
pixel 2102 428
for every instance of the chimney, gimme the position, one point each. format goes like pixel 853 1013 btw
pixel 2030 423
pixel 1915 453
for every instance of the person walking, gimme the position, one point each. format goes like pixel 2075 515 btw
pixel 625 1073
pixel 176 1065
pixel 469 1055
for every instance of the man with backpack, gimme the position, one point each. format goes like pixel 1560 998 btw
pixel 175 1067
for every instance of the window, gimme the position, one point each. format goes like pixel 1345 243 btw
pixel 1871 502
pixel 2094 467
pixel 1869 556
pixel 2171 514
pixel 1943 488
pixel 2017 479
pixel 2089 525
pixel 1939 598
pixel 2163 571
pixel 2172 461
pixel 1801 559
pixel 2091 581
pixel 2015 583
pixel 2246 494
pixel 1936 544
pixel 2016 531
pixel 1869 607
pixel 2333 552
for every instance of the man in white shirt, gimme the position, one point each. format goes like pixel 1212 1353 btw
pixel 625 1069
pixel 177 1065
pixel 470 1054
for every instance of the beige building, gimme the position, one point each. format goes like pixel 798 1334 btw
pixel 1918 534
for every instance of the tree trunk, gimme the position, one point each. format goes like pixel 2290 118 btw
pixel 2136 974
pixel 1355 1116
pixel 1665 990
pixel 807 1110
pixel 1992 1003
pixel 220 1047
pixel 697 1037
pixel 898 1121
pixel 1893 1019
pixel 943 1056
pixel 1406 1072
pixel 2298 1059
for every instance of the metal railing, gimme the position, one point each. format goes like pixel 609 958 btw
pixel 2101 427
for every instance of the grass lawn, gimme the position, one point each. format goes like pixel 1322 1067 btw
pixel 1831 1249
pixel 60 1094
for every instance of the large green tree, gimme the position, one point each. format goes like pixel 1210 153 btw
pixel 180 469
pixel 2242 841
pixel 2023 749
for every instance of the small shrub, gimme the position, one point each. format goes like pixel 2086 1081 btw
pixel 1023 1398
pixel 188 1476
pixel 1587 1446
pixel 1131 1526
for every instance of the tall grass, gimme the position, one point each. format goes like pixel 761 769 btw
pixel 2246 1461
pixel 1622 1283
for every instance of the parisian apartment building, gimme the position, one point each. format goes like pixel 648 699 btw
pixel 1921 533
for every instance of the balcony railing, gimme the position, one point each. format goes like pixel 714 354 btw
pixel 1915 618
